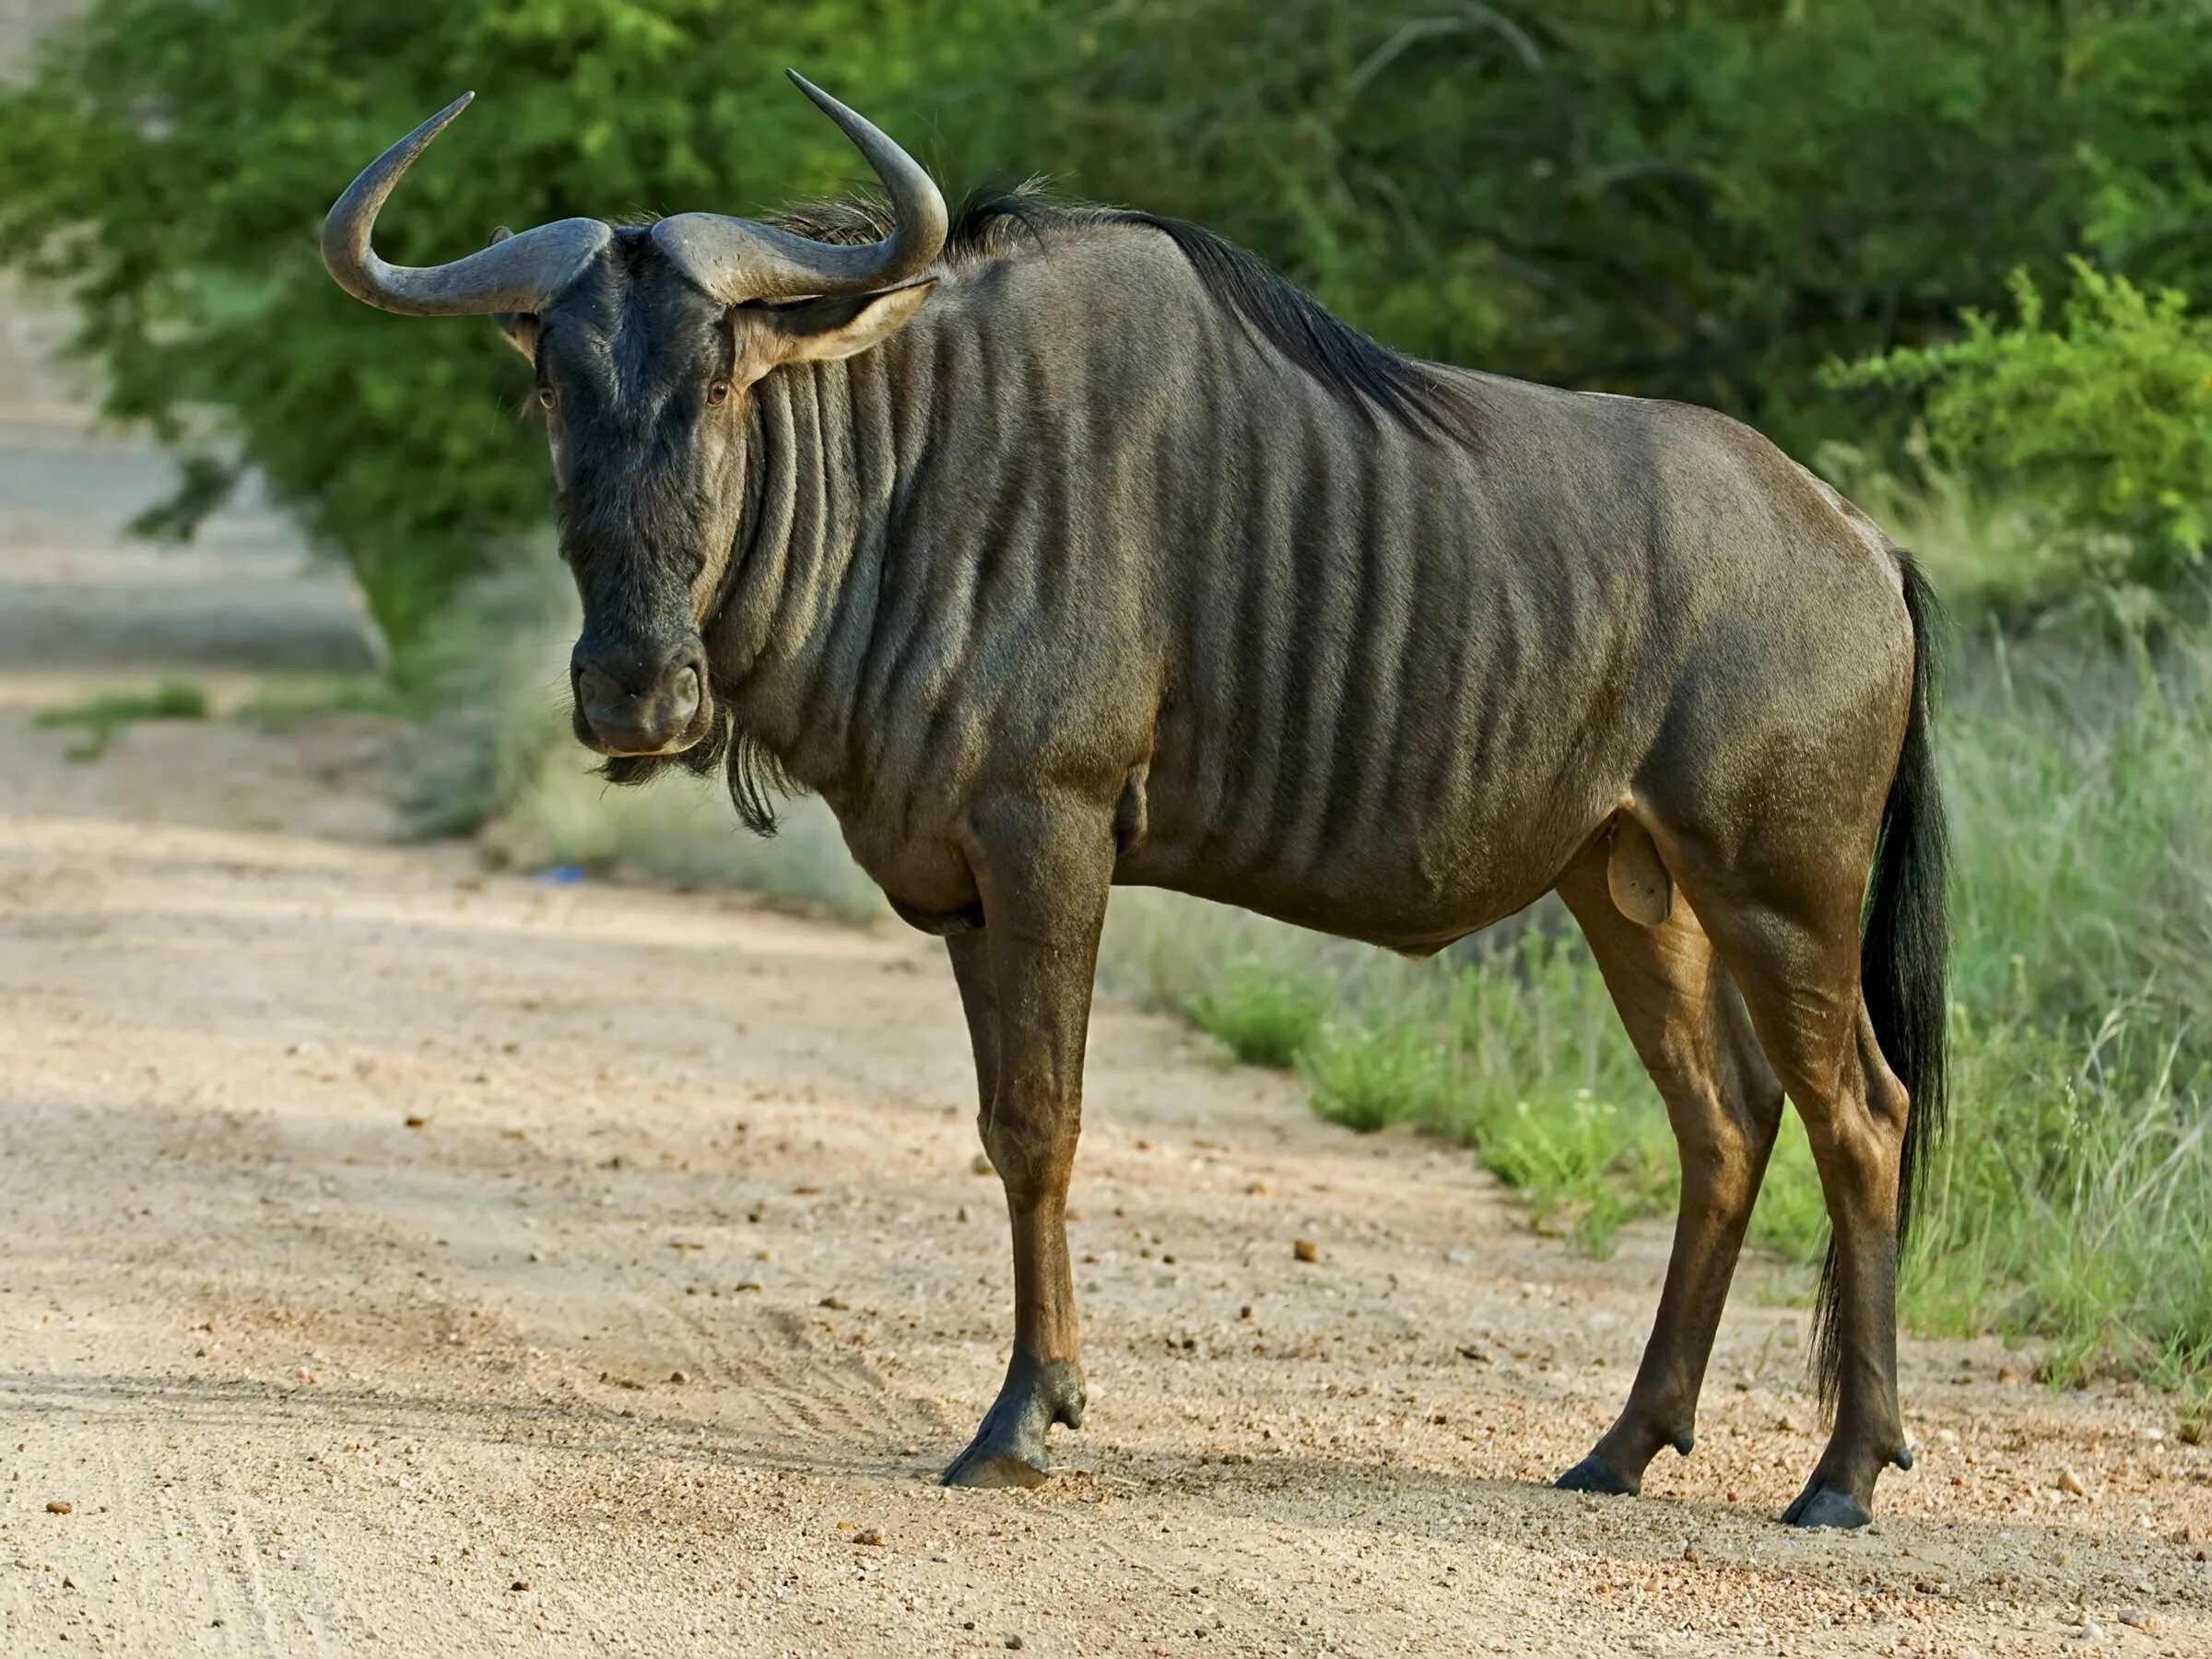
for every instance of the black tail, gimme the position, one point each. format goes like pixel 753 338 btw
pixel 1904 952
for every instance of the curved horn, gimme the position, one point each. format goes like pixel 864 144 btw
pixel 738 259
pixel 516 273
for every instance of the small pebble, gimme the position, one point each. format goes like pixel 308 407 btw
pixel 520 1584
pixel 868 1534
pixel 57 1506
pixel 1305 1250
pixel 679 1376
pixel 1012 1639
pixel 1689 1552
pixel 836 1304
pixel 2070 1482
pixel 980 1165
pixel 2138 1618
pixel 415 1119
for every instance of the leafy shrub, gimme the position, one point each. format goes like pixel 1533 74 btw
pixel 2101 416
pixel 1380 1070
pixel 173 161
pixel 1264 1012
pixel 1702 202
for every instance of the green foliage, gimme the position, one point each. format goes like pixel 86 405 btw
pixel 104 716
pixel 2082 796
pixel 284 701
pixel 2101 418
pixel 2077 1202
pixel 174 158
pixel 1266 1013
pixel 1517 1053
pixel 1697 200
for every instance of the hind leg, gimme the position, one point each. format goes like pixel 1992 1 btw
pixel 1689 1025
pixel 1789 934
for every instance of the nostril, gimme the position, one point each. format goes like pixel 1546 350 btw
pixel 597 690
pixel 683 692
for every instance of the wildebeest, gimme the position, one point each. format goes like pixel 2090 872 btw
pixel 1059 547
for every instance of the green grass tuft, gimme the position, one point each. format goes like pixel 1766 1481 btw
pixel 1266 1013
pixel 280 702
pixel 101 717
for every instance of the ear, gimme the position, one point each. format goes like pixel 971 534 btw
pixel 518 328
pixel 819 331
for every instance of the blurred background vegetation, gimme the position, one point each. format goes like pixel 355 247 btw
pixel 1942 250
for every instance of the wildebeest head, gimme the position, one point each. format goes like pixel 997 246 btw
pixel 646 340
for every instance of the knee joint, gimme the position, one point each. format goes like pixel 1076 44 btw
pixel 1032 1157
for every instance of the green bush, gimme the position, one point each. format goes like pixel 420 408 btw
pixel 1264 1012
pixel 2101 418
pixel 1515 1051
pixel 174 159
pixel 1702 200
pixel 1380 1070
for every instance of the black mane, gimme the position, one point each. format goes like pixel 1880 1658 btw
pixel 1364 373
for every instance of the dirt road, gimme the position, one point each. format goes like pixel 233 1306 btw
pixel 396 1260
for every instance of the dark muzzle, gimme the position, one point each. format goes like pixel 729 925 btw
pixel 640 701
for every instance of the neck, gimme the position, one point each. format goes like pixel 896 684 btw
pixel 790 641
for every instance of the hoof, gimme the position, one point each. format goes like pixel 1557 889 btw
pixel 1820 1505
pixel 985 1466
pixel 1009 1450
pixel 1593 1473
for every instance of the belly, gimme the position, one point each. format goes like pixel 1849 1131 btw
pixel 1412 875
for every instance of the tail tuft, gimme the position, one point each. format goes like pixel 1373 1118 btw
pixel 1904 952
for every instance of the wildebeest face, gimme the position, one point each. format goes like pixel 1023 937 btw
pixel 635 369
pixel 645 382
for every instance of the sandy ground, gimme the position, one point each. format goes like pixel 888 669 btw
pixel 396 1259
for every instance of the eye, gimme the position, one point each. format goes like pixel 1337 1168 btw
pixel 546 396
pixel 719 393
